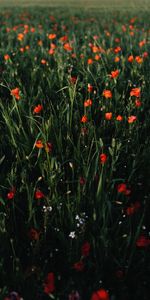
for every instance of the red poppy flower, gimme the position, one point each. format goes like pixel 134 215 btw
pixel 38 109
pixel 85 250
pixel 49 285
pixel 143 242
pixel 90 88
pixel 39 144
pixel 114 74
pixel 107 94
pixel 16 93
pixel 119 118
pixel 100 295
pixel 121 188
pixel 108 115
pixel 88 103
pixel 130 58
pixel 135 92
pixel 39 194
pixel 84 119
pixel 103 158
pixel 11 193
pixel 132 119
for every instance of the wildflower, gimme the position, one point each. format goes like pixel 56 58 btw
pixel 16 93
pixel 132 119
pixel 139 59
pixel 90 88
pixel 88 103
pixel 135 92
pixel 100 295
pixel 39 144
pixel 97 57
pixel 145 54
pixel 38 109
pixel 117 49
pixel 20 36
pixel 119 118
pixel 49 285
pixel 6 57
pixel 108 115
pixel 117 59
pixel 122 188
pixel 133 208
pixel 107 94
pixel 85 250
pixel 52 36
pixel 39 194
pixel 11 193
pixel 143 242
pixel 79 266
pixel 43 61
pixel 90 61
pixel 63 38
pixel 114 74
pixel 67 47
pixel 130 58
pixel 103 158
pixel 84 119
pixel 138 103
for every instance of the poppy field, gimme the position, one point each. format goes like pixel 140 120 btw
pixel 74 154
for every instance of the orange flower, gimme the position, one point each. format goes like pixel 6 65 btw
pixel 117 59
pixel 38 109
pixel 103 158
pixel 63 38
pixel 108 115
pixel 135 92
pixel 6 57
pixel 68 47
pixel 142 43
pixel 90 88
pixel 107 94
pixel 97 57
pixel 39 144
pixel 114 74
pixel 119 118
pixel 84 119
pixel 52 36
pixel 95 49
pixel 130 58
pixel 16 93
pixel 43 61
pixel 117 49
pixel 20 36
pixel 132 119
pixel 88 103
pixel 90 61
pixel 139 59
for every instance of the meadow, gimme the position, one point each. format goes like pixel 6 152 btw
pixel 74 151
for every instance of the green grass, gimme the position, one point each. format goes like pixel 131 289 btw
pixel 100 4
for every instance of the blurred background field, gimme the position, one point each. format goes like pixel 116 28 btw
pixel 108 4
